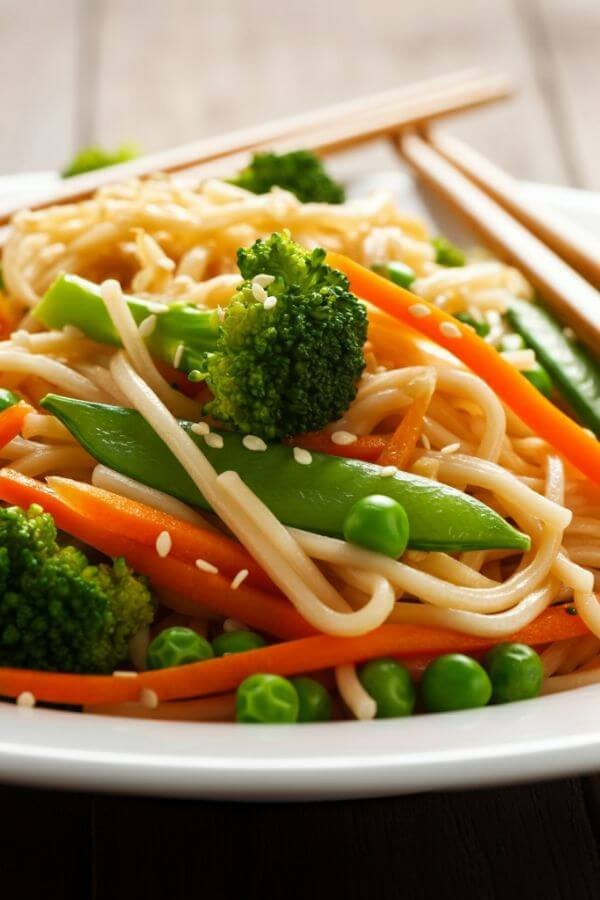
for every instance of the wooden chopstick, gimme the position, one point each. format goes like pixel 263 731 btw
pixel 574 299
pixel 574 244
pixel 341 126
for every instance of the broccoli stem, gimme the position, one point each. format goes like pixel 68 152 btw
pixel 72 300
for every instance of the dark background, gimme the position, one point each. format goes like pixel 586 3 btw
pixel 522 842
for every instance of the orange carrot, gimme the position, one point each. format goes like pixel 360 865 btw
pixel 402 443
pixel 215 676
pixel 367 447
pixel 577 446
pixel 258 609
pixel 11 422
pixel 144 524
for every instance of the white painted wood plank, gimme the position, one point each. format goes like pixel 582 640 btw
pixel 38 59
pixel 203 67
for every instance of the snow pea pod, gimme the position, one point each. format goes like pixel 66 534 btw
pixel 316 497
pixel 574 372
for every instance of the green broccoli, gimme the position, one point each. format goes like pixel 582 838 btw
pixel 291 367
pixel 276 370
pixel 300 172
pixel 57 612
pixel 90 158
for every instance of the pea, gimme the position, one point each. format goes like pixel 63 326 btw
pixel 454 682
pixel 390 685
pixel 540 379
pixel 516 672
pixel 447 254
pixel 313 699
pixel 237 642
pixel 396 271
pixel 482 328
pixel 378 523
pixel 266 699
pixel 177 646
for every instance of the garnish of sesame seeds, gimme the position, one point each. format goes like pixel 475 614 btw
pixel 200 428
pixel 270 302
pixel 419 310
pixel 149 698
pixel 204 566
pixel 164 543
pixel 214 440
pixel 147 326
pixel 178 355
pixel 343 438
pixel 388 471
pixel 241 576
pixel 450 330
pixel 450 448
pixel 302 456
pixel 26 700
pixel 263 280
pixel 252 442
pixel 259 292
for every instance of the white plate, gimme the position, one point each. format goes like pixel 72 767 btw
pixel 551 736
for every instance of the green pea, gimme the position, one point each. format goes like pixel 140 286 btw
pixel 266 700
pixel 177 646
pixel 396 271
pixel 390 685
pixel 516 672
pixel 378 523
pixel 540 379
pixel 237 642
pixel 447 254
pixel 454 682
pixel 482 328
pixel 511 342
pixel 314 702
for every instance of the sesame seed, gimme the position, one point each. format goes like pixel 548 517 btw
pixel 263 280
pixel 178 355
pixel 450 448
pixel 214 440
pixel 450 330
pixel 146 327
pixel 230 625
pixel 157 307
pixel 26 699
pixel 149 698
pixel 302 456
pixel 163 544
pixel 241 576
pixel 124 673
pixel 259 292
pixel 252 442
pixel 343 438
pixel 419 310
pixel 200 428
pixel 205 566
pixel 388 471
pixel 270 302
pixel 426 442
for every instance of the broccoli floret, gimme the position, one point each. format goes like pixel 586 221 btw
pixel 292 367
pixel 300 172
pixel 57 612
pixel 90 158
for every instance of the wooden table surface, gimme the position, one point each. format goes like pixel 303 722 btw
pixel 78 71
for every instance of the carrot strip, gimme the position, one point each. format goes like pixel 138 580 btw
pixel 144 523
pixel 261 610
pixel 11 422
pixel 217 676
pixel 577 445
pixel 367 447
pixel 402 443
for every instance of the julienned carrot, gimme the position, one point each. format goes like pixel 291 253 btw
pixel 366 447
pixel 11 422
pixel 402 443
pixel 217 676
pixel 144 524
pixel 261 610
pixel 577 445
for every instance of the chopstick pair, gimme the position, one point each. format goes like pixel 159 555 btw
pixel 555 255
pixel 324 130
